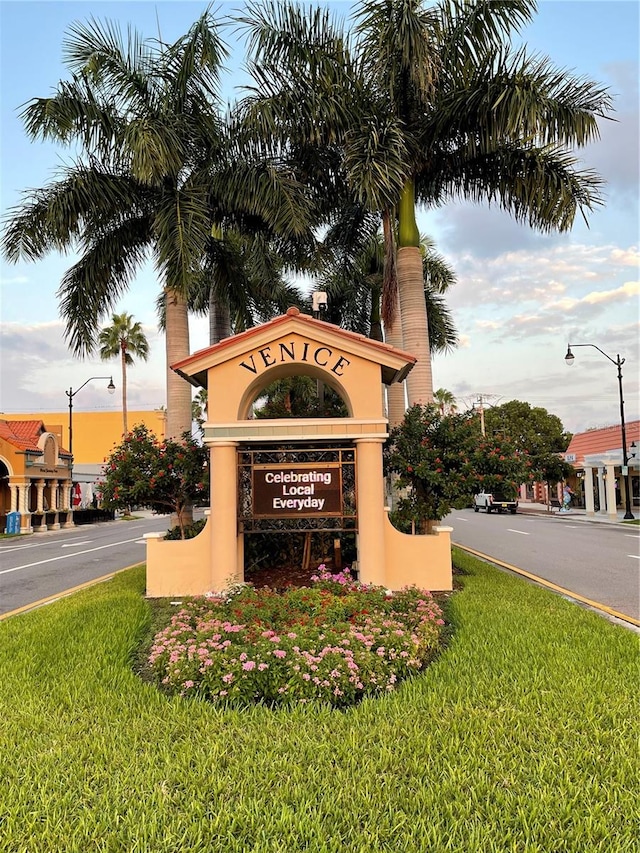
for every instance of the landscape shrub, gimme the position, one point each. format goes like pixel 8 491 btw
pixel 336 641
pixel 188 532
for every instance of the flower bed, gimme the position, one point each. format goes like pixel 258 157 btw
pixel 335 641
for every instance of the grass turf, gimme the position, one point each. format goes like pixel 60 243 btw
pixel 522 736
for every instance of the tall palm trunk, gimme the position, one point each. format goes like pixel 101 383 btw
pixel 219 319
pixel 177 347
pixel 413 309
pixel 396 392
pixel 123 363
pixel 178 389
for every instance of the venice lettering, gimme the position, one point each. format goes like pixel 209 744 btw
pixel 295 351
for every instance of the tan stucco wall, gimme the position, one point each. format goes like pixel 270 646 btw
pixel 176 567
pixel 422 561
pixel 95 434
pixel 234 387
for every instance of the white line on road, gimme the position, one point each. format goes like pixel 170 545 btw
pixel 459 518
pixel 75 544
pixel 635 556
pixel 66 556
pixel 521 532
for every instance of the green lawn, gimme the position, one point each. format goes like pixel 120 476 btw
pixel 521 737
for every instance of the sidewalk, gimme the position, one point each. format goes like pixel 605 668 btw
pixel 574 513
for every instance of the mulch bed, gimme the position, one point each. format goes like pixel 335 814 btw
pixel 281 577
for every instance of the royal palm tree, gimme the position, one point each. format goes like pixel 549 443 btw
pixel 355 283
pixel 445 401
pixel 157 174
pixel 422 105
pixel 123 339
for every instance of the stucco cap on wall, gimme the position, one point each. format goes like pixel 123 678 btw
pixel 394 363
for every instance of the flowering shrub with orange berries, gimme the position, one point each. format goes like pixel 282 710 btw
pixel 335 641
pixel 441 461
pixel 165 475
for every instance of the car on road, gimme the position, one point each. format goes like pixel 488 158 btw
pixel 495 501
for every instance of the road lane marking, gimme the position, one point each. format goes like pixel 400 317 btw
pixel 550 585
pixel 66 556
pixel 51 598
pixel 521 532
pixel 75 544
pixel 459 518
pixel 635 556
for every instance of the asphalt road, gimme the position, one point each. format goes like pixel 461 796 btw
pixel 41 565
pixel 596 560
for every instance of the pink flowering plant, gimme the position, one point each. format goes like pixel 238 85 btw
pixel 336 641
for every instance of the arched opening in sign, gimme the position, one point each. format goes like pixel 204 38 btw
pixel 283 393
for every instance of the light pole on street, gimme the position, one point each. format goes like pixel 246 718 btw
pixel 569 359
pixel 71 394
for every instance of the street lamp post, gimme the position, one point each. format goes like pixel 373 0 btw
pixel 71 394
pixel 569 358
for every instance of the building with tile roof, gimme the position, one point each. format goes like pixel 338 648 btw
pixel 598 459
pixel 35 476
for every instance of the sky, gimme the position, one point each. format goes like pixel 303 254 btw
pixel 520 296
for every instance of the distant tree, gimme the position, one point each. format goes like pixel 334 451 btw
pixel 297 397
pixel 168 476
pixel 445 401
pixel 531 428
pixel 123 338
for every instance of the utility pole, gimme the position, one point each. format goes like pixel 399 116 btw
pixel 481 410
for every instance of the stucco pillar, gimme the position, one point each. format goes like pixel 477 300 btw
pixel 40 496
pixel 224 520
pixel 371 518
pixel 23 498
pixel 55 495
pixel 588 491
pixel 14 497
pixel 612 510
pixel 602 497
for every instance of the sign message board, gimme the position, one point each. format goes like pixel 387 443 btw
pixel 292 491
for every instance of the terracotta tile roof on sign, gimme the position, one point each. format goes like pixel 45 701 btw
pixel 22 434
pixel 596 441
pixel 313 322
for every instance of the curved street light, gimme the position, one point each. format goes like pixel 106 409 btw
pixel 71 394
pixel 569 359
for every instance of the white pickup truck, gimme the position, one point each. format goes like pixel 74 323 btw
pixel 485 500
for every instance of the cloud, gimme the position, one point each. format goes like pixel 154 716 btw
pixel 37 369
pixel 16 279
pixel 599 297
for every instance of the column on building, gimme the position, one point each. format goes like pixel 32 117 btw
pixel 612 510
pixel 13 488
pixel 53 504
pixel 225 553
pixel 24 490
pixel 588 490
pixel 602 496
pixel 66 503
pixel 40 495
pixel 370 490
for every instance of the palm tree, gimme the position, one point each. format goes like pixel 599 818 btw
pixel 123 338
pixel 424 104
pixel 158 172
pixel 355 284
pixel 445 401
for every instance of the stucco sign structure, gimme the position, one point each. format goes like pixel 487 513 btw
pixel 235 371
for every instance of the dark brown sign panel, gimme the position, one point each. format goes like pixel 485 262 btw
pixel 291 491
